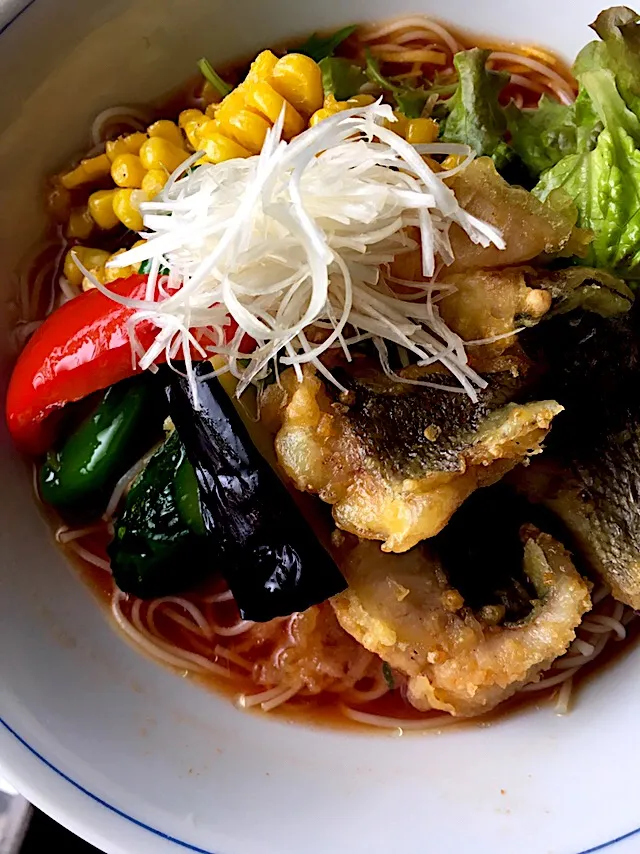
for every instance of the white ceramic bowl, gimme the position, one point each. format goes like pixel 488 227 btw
pixel 137 760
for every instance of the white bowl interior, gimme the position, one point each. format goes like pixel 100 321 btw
pixel 124 752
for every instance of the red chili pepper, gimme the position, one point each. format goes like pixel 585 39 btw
pixel 81 348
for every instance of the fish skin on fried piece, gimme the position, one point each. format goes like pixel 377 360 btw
pixel 396 460
pixel 590 474
pixel 403 608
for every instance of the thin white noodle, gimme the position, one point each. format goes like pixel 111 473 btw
pixel 525 83
pixel 127 478
pixel 564 695
pixel 65 534
pixel 520 59
pixel 358 698
pixel 269 705
pixel 599 594
pixel 194 612
pixel 185 622
pixel 70 291
pixel 549 681
pixel 138 119
pixel 599 623
pixel 569 661
pixel 225 596
pixel 90 557
pixel 246 701
pixel 385 29
pixel 232 656
pixel 582 647
pixel 399 724
pixel 231 631
pixel 156 645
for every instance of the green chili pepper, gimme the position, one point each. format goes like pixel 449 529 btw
pixel 79 476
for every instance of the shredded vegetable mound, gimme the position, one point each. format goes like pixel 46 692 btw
pixel 295 238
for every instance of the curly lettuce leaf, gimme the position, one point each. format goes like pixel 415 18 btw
pixel 410 100
pixel 476 118
pixel 619 29
pixel 544 136
pixel 603 180
pixel 341 78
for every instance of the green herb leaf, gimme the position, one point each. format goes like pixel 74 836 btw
pixel 410 100
pixel 209 73
pixel 321 47
pixel 476 117
pixel 388 675
pixel 341 78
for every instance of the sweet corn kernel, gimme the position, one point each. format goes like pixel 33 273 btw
pixel 101 209
pixel 330 108
pixel 421 131
pixel 90 170
pixel 218 148
pixel 168 130
pixel 128 144
pixel 158 153
pixel 153 181
pixel 91 258
pixel 264 98
pixel 188 116
pixel 111 274
pixel 360 101
pixel 400 124
pixel 80 224
pixel 299 80
pixel 261 67
pixel 451 161
pixel 192 131
pixel 233 102
pixel 319 115
pixel 127 170
pixel 247 128
pixel 59 203
pixel 126 207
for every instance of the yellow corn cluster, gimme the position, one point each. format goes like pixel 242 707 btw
pixel 237 126
pixel 330 107
pixel 137 165
pixel 95 260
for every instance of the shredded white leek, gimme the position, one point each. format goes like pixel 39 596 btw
pixel 298 237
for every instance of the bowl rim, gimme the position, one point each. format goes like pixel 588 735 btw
pixel 44 800
pixel 48 793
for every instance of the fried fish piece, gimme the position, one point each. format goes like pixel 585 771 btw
pixel 403 608
pixel 590 475
pixel 530 228
pixel 396 460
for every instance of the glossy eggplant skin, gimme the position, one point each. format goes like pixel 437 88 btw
pixel 271 558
